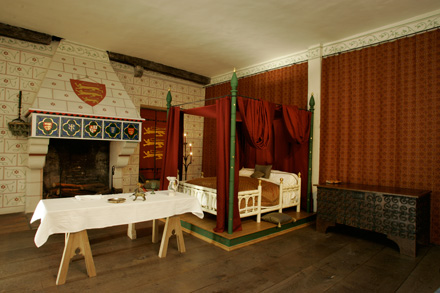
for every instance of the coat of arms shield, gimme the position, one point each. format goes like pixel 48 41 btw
pixel 90 92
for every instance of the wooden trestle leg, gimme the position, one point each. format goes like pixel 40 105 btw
pixel 172 224
pixel 73 242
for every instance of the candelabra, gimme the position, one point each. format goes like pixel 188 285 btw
pixel 186 156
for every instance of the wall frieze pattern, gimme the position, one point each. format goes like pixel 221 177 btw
pixel 82 51
pixel 262 67
pixel 48 50
pixel 383 35
pixel 389 33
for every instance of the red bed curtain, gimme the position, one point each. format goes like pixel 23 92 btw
pixel 288 147
pixel 223 166
pixel 172 147
pixel 286 86
pixel 257 119
pixel 297 123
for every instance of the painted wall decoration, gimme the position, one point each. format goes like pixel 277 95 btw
pixel 131 131
pixel 112 130
pixel 71 127
pixel 152 144
pixel 89 92
pixel 92 128
pixel 48 126
pixel 60 126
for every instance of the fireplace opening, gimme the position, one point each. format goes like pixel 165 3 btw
pixel 76 167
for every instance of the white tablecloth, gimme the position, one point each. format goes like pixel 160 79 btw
pixel 69 215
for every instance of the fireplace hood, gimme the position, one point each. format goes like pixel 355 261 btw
pixel 81 97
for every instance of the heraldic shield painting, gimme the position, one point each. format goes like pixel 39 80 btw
pixel 90 92
pixel 152 144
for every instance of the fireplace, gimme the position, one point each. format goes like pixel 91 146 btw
pixel 76 167
pixel 84 127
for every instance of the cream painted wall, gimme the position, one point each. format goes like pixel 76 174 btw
pixel 23 65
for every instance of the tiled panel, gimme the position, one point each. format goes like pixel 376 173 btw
pixel 71 127
pixel 130 131
pixel 104 110
pixel 51 105
pixel 9 54
pixel 95 73
pixel 17 69
pixel 112 130
pixel 35 60
pixel 62 58
pixel 79 107
pixel 47 126
pixel 11 200
pixel 92 129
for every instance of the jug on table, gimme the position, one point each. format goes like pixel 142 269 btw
pixel 173 185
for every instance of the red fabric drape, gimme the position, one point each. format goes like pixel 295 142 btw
pixel 171 149
pixel 223 167
pixel 380 117
pixel 297 123
pixel 257 119
pixel 287 86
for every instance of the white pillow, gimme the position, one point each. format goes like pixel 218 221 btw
pixel 289 179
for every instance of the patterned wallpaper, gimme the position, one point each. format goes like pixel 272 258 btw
pixel 23 65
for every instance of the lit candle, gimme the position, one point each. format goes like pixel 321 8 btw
pixel 190 157
pixel 184 137
pixel 190 145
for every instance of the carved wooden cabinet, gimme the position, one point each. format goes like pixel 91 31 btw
pixel 401 214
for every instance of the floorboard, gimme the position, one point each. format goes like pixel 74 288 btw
pixel 301 260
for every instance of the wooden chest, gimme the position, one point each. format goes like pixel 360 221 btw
pixel 401 214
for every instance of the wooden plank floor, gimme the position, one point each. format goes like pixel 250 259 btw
pixel 342 260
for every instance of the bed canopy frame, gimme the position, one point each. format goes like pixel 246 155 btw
pixel 169 169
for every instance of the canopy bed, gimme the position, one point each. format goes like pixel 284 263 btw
pixel 267 134
pixel 255 195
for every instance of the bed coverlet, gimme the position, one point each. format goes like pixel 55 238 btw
pixel 270 191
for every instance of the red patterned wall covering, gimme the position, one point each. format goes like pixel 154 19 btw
pixel 380 121
pixel 286 86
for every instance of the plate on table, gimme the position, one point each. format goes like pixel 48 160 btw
pixel 116 200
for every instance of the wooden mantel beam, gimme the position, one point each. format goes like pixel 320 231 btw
pixel 24 34
pixel 160 68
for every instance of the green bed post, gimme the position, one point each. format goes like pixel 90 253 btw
pixel 234 84
pixel 309 177
pixel 169 99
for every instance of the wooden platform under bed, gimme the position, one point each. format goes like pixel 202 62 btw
pixel 252 232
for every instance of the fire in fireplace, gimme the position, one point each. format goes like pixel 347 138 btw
pixel 76 167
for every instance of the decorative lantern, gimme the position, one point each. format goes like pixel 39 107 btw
pixel 18 126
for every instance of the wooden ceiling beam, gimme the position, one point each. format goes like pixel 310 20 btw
pixel 45 39
pixel 160 68
pixel 24 34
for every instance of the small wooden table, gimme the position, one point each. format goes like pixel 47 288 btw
pixel 73 217
pixel 401 214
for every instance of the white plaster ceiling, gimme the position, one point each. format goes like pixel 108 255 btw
pixel 208 37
